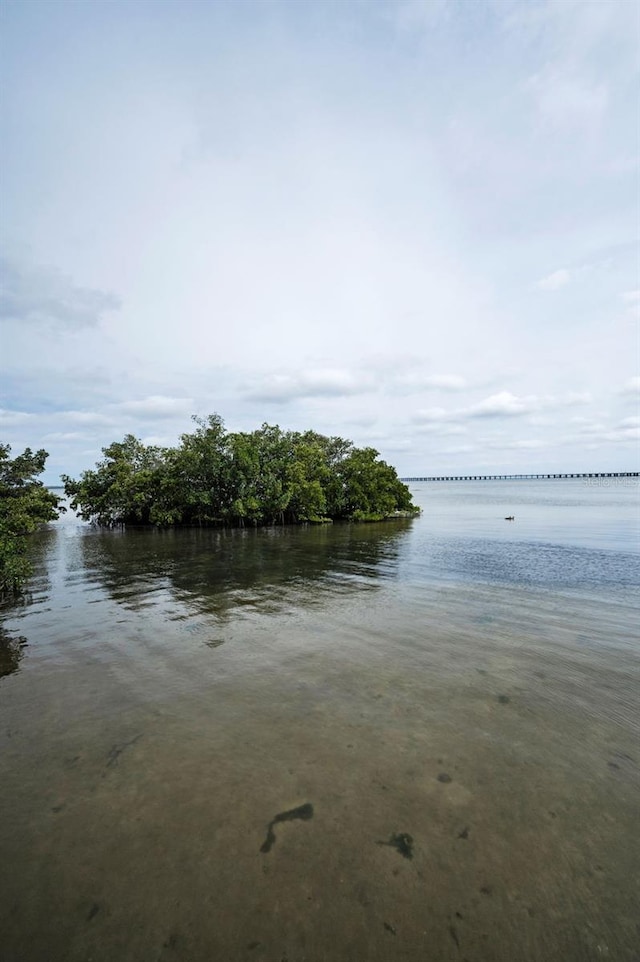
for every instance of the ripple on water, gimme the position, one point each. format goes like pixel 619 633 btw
pixel 456 711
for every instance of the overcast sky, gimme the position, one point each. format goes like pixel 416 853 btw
pixel 413 224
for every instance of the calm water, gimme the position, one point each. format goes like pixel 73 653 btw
pixel 407 741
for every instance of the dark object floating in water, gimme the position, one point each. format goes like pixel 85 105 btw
pixel 510 517
pixel 93 911
pixel 403 843
pixel 214 643
pixel 303 812
pixel 504 699
pixel 389 928
pixel 464 833
pixel 443 777
pixel 116 751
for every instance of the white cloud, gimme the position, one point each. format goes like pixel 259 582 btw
pixel 399 446
pixel 428 415
pixel 567 101
pixel 66 436
pixel 577 397
pixel 283 388
pixel 446 382
pixel 553 282
pixel 632 300
pixel 504 404
pixel 502 442
pixel 459 449
pixel 531 444
pixel 621 431
pixel 159 440
pixel 84 417
pixel 38 295
pixel 350 247
pixel 631 387
pixel 156 406
pixel 590 427
pixel 622 435
pixel 405 382
pixel 14 418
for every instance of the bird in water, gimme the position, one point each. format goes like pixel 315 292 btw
pixel 510 517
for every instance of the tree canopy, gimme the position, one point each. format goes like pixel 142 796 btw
pixel 262 477
pixel 25 504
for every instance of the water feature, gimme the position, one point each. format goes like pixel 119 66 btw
pixel 405 741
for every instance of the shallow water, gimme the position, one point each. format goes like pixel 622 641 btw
pixel 405 741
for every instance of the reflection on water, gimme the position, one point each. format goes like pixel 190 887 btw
pixel 11 652
pixel 434 723
pixel 267 569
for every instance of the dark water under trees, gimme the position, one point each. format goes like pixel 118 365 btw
pixel 415 740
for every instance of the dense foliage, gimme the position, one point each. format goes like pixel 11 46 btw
pixel 25 504
pixel 267 476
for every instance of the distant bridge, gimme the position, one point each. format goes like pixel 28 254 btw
pixel 526 477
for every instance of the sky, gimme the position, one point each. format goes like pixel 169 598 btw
pixel 413 224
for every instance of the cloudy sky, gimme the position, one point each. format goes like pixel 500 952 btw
pixel 413 224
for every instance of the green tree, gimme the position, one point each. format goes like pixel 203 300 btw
pixel 267 476
pixel 25 504
pixel 123 489
pixel 273 491
pixel 307 473
pixel 244 503
pixel 371 488
pixel 200 470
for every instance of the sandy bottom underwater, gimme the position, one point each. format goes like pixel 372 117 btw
pixel 317 792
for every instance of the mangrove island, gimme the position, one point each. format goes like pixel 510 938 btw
pixel 215 477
